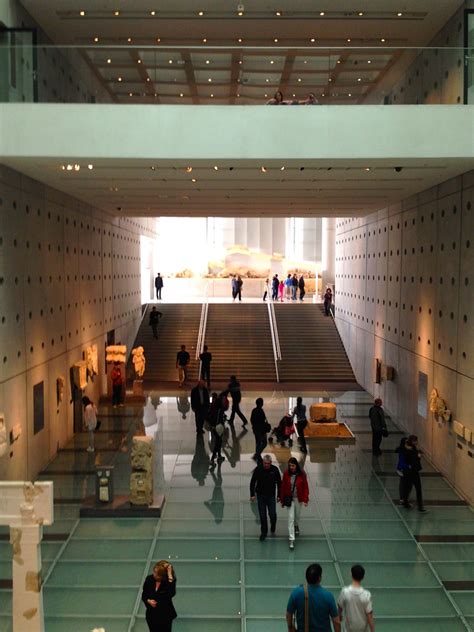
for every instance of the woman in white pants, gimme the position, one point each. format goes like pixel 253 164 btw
pixel 90 420
pixel 294 492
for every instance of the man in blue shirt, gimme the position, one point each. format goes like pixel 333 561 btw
pixel 322 607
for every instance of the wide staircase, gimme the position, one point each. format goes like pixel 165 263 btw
pixel 239 338
pixel 311 348
pixel 178 326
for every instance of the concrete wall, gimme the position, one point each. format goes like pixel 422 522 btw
pixel 405 295
pixel 68 274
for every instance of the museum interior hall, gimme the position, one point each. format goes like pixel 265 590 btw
pixel 154 197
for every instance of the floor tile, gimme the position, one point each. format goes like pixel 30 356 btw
pixel 86 624
pixel 197 510
pixel 446 552
pixel 93 601
pixel 216 573
pixel 284 573
pixel 103 549
pixel 197 548
pixel 411 602
pixel 362 529
pixel 111 573
pixel 115 528
pixel 357 511
pixel 465 601
pixel 196 624
pixel 382 574
pixel 208 601
pixel 277 549
pixel 377 550
pixel 455 571
pixel 216 528
pixel 261 601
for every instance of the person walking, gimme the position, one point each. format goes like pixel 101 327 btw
pixel 260 427
pixel 182 362
pixel 288 287
pixel 267 289
pixel 327 301
pixel 299 411
pixel 275 286
pixel 158 591
pixel 301 286
pixel 240 285
pixel 378 425
pixel 402 469
pixel 293 493
pixel 313 606
pixel 158 286
pixel 294 287
pixel 154 320
pixel 233 285
pixel 216 418
pixel 236 396
pixel 355 604
pixel 206 359
pixel 281 290
pixel 90 421
pixel 117 385
pixel 200 404
pixel 265 486
pixel 411 456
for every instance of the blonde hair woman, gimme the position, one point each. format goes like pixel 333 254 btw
pixel 158 591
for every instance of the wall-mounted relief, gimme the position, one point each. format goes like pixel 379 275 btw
pixel 387 373
pixel 60 384
pixel 377 371
pixel 92 360
pixel 438 407
pixel 116 353
pixel 3 436
pixel 79 372
pixel 138 359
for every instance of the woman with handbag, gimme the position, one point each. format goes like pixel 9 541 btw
pixel 158 591
pixel 294 492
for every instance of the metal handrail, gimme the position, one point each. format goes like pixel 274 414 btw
pixel 202 328
pixel 276 334
pixel 275 343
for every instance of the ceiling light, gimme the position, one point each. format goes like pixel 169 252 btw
pixel 148 79
pixel 193 180
pixel 153 168
pixel 116 13
pixel 139 61
pixel 130 94
pixel 216 168
pixel 369 61
pixel 313 39
pixel 181 94
pixel 240 13
pixel 129 40
pixel 382 39
pixel 119 78
pixel 278 13
pixel 200 13
pixel 77 167
pixel 207 61
pixel 294 95
pixel 299 79
pixel 240 62
pixel 69 167
pixel 204 39
pixel 96 39
pixel 276 40
pixel 265 95
pixel 152 12
pixel 339 61
pixel 240 40
pixel 82 13
pixel 238 94
pixel 63 167
pixel 361 13
pixel 271 61
pixel 109 61
pixel 212 96
pixel 267 80
pixel 263 169
pixel 321 13
pixel 399 14
pixel 188 169
pixel 305 61
pixel 349 39
pixel 349 95
pixel 367 168
pixel 359 78
pixel 170 61
pixel 282 168
pixel 158 39
pixel 210 80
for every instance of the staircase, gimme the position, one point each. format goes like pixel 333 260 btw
pixel 239 338
pixel 178 326
pixel 311 348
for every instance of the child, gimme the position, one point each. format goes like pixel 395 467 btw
pixel 281 289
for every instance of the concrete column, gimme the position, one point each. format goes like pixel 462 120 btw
pixel 279 235
pixel 240 231
pixel 266 235
pixel 253 232
pixel 329 251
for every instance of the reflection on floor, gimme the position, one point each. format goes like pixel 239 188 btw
pixel 420 568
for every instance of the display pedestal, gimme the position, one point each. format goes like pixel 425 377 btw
pixel 137 388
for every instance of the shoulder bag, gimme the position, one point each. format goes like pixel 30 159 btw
pixel 287 500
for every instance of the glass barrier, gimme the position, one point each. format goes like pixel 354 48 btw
pixel 232 75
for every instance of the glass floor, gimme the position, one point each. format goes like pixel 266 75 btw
pixel 419 567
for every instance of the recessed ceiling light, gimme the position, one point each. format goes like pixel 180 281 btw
pixel 359 78
pixel 96 39
pixel 212 96
pixel 240 13
pixel 158 39
pixel 265 95
pixel 181 94
pixel 299 79
pixel 116 13
pixel 321 13
pixel 240 62
pixel 305 61
pixel 148 79
pixel 82 13
pixel 367 168
pixel 207 61
pixel 339 61
pixel 271 61
pixel 330 79
pixel 313 39
pixel 369 61
pixel 109 61
pixel 276 40
pixel 90 167
pixel 278 13
pixel 77 167
pixel 361 13
pixel 204 39
pixel 63 167
pixel 152 12
pixel 129 39
pixel 240 40
pixel 282 168
pixel 130 94
pixel 201 13
pixel 349 39
pixel 170 61
pixel 210 80
pixel 382 39
pixel 294 95
pixel 216 168
pixel 153 168
pixel 349 95
pixel 119 78
pixel 263 169
pixel 139 61
pixel 193 180
pixel 399 14
pixel 267 80
pixel 69 167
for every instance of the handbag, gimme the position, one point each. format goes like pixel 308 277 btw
pixel 267 427
pixel 97 425
pixel 287 500
pixel 385 433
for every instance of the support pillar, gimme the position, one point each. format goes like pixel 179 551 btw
pixel 253 232
pixel 266 235
pixel 329 252
pixel 279 235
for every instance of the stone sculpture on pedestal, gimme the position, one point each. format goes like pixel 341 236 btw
pixel 141 479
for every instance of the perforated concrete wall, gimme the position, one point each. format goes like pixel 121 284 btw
pixel 68 275
pixel 404 295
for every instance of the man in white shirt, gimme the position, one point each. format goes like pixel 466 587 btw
pixel 355 604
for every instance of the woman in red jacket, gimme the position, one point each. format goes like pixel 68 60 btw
pixel 294 491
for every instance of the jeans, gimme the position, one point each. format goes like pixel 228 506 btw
pixel 260 445
pixel 267 503
pixel 116 394
pixel 293 293
pixel 236 411
pixel 294 512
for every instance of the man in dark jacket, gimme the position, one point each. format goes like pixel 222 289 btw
pixel 411 478
pixel 155 316
pixel 378 425
pixel 260 427
pixel 275 285
pixel 301 287
pixel 158 285
pixel 206 359
pixel 236 395
pixel 265 482
pixel 200 404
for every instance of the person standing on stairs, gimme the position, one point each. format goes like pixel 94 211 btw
pixel 378 425
pixel 301 287
pixel 158 286
pixel 206 359
pixel 155 317
pixel 236 395
pixel 182 362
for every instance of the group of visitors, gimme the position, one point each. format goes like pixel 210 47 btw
pixel 236 285
pixel 288 288
pixel 278 99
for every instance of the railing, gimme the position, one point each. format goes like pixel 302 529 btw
pixel 275 337
pixel 202 328
pixel 230 73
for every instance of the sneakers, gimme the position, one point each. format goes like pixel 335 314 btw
pixel 297 529
pixel 291 544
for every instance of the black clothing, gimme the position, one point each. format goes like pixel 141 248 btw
pixel 377 419
pixel 294 281
pixel 376 442
pixel 158 282
pixel 301 283
pixel 161 617
pixel 234 391
pixel 206 358
pixel 200 406
pixel 275 285
pixel 154 320
pixel 411 478
pixel 265 482
pixel 259 422
pixel 182 358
